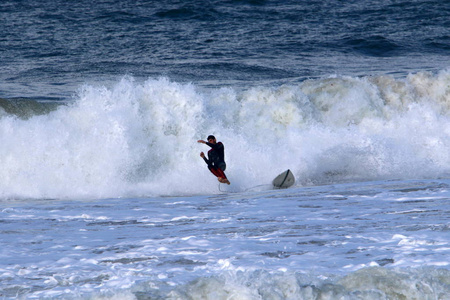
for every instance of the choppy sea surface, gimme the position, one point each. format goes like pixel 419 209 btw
pixel 103 194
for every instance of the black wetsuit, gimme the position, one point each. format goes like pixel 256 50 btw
pixel 216 156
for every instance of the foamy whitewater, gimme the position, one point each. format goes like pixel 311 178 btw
pixel 139 138
pixel 106 197
pixel 374 240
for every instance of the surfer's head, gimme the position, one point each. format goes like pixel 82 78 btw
pixel 211 138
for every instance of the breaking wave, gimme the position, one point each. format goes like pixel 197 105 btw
pixel 139 138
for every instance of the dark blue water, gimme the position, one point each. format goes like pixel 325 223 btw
pixel 49 48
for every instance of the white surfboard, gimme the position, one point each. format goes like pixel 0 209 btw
pixel 284 180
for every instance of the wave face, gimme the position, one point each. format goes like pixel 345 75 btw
pixel 139 138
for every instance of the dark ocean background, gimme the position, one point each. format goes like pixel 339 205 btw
pixel 49 48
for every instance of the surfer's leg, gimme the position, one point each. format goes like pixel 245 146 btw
pixel 215 171
pixel 222 177
pixel 219 174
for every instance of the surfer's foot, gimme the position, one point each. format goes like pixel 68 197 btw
pixel 223 180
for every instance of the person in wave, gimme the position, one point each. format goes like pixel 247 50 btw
pixel 216 158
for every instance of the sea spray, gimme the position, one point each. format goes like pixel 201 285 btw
pixel 139 138
pixel 102 144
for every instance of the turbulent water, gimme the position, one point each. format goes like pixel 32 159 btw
pixel 103 194
pixel 138 139
pixel 371 240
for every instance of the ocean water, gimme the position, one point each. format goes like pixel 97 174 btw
pixel 103 194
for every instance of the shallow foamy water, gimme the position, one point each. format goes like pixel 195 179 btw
pixel 343 239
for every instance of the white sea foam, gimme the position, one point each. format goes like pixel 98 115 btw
pixel 139 138
pixel 330 241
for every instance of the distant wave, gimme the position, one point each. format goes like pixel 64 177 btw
pixel 368 283
pixel 373 45
pixel 26 108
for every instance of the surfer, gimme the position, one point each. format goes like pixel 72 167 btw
pixel 216 158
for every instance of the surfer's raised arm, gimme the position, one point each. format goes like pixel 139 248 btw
pixel 202 155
